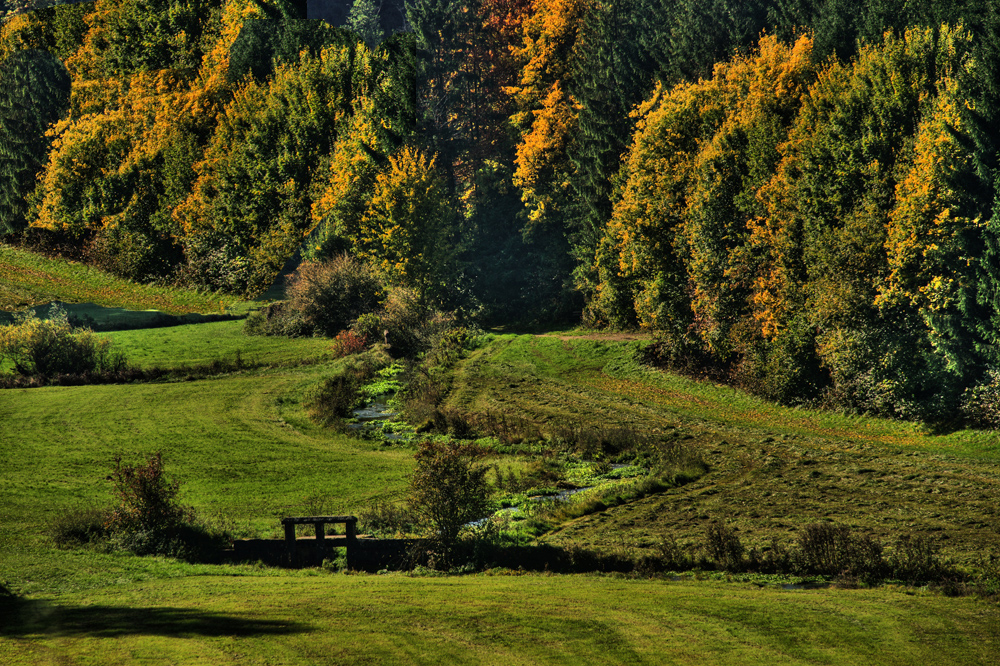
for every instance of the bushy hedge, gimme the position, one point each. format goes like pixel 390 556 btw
pixel 331 294
pixel 46 347
pixel 324 298
pixel 344 294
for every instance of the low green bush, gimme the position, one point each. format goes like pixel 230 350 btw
pixel 47 347
pixel 333 398
pixel 834 550
pixel 448 489
pixel 187 541
pixel 980 404
pixel 724 547
pixel 277 319
pixel 369 326
pixel 79 527
pixel 915 559
pixel 331 294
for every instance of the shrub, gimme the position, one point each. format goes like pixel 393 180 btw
pixel 448 489
pixel 369 326
pixel 405 321
pixel 47 347
pixel 785 369
pixel 146 499
pixel 335 397
pixel 188 541
pixel 131 251
pixel 80 526
pixel 332 399
pixel 981 403
pixel 724 547
pixel 828 549
pixel 673 556
pixel 915 559
pixel 277 319
pixel 148 520
pixel 333 293
pixel 347 343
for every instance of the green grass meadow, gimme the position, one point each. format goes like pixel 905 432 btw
pixel 200 344
pixel 311 618
pixel 28 279
pixel 246 454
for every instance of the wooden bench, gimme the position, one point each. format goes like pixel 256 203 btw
pixel 351 523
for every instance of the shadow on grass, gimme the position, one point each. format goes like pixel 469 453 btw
pixel 21 617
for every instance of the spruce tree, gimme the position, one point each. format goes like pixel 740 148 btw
pixel 34 93
pixel 265 43
pixel 363 22
pixel 985 126
pixel 612 74
pixel 437 25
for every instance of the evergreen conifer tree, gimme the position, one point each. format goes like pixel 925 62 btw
pixel 985 129
pixel 34 93
pixel 612 74
pixel 363 21
pixel 437 26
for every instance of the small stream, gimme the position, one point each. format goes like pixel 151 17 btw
pixel 369 418
pixel 562 495
pixel 371 415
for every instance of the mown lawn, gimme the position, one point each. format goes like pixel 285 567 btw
pixel 200 344
pixel 239 444
pixel 246 454
pixel 250 617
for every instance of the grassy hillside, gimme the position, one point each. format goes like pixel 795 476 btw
pixel 246 454
pixel 199 344
pixel 28 279
pixel 772 469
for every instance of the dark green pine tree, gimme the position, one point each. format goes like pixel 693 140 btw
pixel 985 126
pixel 280 38
pixel 363 21
pixel 625 46
pixel 612 74
pixel 396 96
pixel 690 36
pixel 834 23
pixel 34 93
pixel 438 26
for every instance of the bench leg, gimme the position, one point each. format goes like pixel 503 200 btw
pixel 290 539
pixel 320 535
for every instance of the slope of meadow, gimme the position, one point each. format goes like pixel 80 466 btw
pixel 772 469
pixel 28 279
pixel 246 616
pixel 246 454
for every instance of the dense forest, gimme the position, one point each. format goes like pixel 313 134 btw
pixel 798 196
